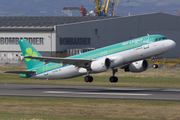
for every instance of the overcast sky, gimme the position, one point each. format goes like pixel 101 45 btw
pixel 54 7
pixel 155 2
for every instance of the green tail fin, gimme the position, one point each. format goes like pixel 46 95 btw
pixel 28 50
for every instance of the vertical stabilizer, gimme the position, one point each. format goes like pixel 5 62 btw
pixel 28 50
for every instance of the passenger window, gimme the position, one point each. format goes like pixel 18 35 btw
pixel 160 38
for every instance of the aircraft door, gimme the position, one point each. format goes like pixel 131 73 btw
pixel 146 43
pixel 148 50
pixel 45 68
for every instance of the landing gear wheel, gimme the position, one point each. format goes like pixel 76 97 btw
pixel 88 79
pixel 91 79
pixel 113 79
pixel 155 66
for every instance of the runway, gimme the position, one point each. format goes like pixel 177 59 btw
pixel 92 92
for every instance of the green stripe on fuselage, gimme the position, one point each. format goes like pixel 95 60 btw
pixel 131 44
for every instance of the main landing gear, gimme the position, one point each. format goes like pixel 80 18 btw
pixel 155 66
pixel 113 79
pixel 88 78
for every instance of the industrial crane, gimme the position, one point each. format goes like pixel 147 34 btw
pixel 98 6
pixel 68 10
pixel 116 6
pixel 104 10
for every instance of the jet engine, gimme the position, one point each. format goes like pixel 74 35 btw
pixel 138 66
pixel 101 65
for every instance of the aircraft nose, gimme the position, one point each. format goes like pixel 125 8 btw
pixel 172 44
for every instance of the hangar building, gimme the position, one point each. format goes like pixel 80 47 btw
pixel 50 35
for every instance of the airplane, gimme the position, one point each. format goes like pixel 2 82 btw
pixel 129 55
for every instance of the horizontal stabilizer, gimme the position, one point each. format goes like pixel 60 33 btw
pixel 22 72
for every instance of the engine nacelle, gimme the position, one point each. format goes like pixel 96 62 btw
pixel 117 61
pixel 138 66
pixel 101 65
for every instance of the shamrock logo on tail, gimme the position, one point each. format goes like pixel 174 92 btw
pixel 30 53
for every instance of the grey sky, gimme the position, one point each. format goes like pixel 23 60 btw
pixel 54 7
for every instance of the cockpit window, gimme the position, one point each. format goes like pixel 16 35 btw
pixel 164 38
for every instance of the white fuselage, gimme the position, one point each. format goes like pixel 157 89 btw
pixel 129 56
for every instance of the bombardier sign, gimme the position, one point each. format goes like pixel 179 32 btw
pixel 14 40
pixel 75 41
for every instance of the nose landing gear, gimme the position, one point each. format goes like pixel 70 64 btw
pixel 155 66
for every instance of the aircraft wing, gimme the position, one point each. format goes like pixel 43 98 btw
pixel 74 61
pixel 22 72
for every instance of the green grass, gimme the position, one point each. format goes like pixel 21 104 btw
pixel 159 78
pixel 19 108
pixel 150 82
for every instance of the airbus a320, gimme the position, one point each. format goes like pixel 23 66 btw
pixel 129 55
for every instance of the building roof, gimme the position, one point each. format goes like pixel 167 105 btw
pixel 49 21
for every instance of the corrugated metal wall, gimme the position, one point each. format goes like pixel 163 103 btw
pixel 111 31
